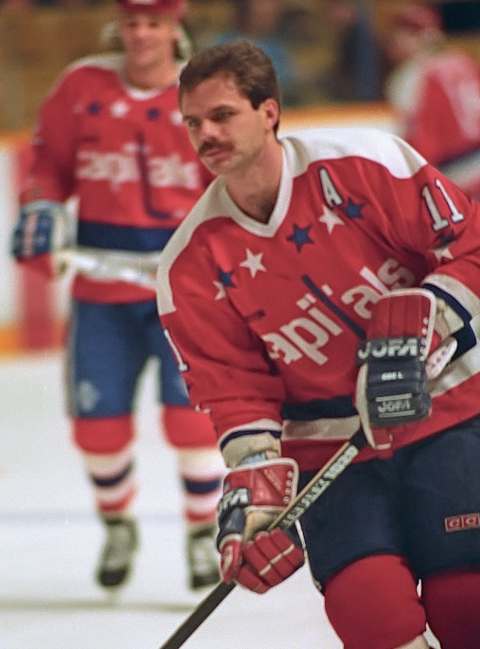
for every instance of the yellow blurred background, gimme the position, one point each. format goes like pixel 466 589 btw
pixel 38 40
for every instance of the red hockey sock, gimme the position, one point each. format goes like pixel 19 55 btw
pixel 452 602
pixel 373 604
pixel 106 446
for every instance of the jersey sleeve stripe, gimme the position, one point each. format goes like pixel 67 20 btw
pixel 451 300
pixel 247 432
pixel 457 292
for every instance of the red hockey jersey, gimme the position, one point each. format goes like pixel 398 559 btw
pixel 437 98
pixel 266 319
pixel 125 154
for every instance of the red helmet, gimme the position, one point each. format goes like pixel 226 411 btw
pixel 416 17
pixel 175 7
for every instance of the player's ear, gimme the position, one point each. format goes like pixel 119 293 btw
pixel 272 112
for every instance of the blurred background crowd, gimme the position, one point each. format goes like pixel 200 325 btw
pixel 325 51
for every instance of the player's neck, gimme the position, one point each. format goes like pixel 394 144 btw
pixel 255 190
pixel 152 77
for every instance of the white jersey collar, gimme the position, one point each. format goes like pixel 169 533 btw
pixel 281 205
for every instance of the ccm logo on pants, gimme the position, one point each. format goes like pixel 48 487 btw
pixel 462 522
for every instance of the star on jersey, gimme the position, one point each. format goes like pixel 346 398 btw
pixel 224 281
pixel 442 253
pixel 221 292
pixel 330 219
pixel 94 108
pixel 353 210
pixel 153 113
pixel 176 117
pixel 119 108
pixel 225 278
pixel 300 236
pixel 253 262
pixel 131 148
pixel 446 238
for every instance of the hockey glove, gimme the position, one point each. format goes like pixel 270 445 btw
pixel 41 230
pixel 397 362
pixel 253 497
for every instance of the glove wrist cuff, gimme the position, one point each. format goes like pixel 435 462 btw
pixel 236 448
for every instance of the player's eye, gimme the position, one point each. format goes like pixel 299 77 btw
pixel 191 123
pixel 222 115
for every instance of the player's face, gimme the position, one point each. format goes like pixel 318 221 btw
pixel 148 38
pixel 225 130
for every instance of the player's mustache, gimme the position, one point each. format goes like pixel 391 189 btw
pixel 211 144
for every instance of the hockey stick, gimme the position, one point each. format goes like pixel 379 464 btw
pixel 307 496
pixel 108 265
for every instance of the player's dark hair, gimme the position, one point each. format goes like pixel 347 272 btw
pixel 248 65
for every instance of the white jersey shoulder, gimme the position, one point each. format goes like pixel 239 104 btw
pixel 310 145
pixel 404 85
pixel 111 61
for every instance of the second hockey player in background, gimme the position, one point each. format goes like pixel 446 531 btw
pixel 110 133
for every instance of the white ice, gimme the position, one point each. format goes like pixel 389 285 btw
pixel 49 541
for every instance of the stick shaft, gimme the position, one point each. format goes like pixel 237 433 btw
pixel 309 494
pixel 127 266
pixel 199 615
pixel 321 481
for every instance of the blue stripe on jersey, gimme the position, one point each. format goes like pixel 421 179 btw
pixel 334 308
pixel 334 408
pixel 452 301
pixel 201 486
pixel 113 480
pixel 249 431
pixel 465 338
pixel 122 237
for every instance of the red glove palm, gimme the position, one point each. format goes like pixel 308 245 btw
pixel 253 497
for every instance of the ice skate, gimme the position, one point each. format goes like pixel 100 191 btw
pixel 202 557
pixel 116 560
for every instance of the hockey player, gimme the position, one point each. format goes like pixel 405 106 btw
pixel 435 91
pixel 111 133
pixel 328 280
